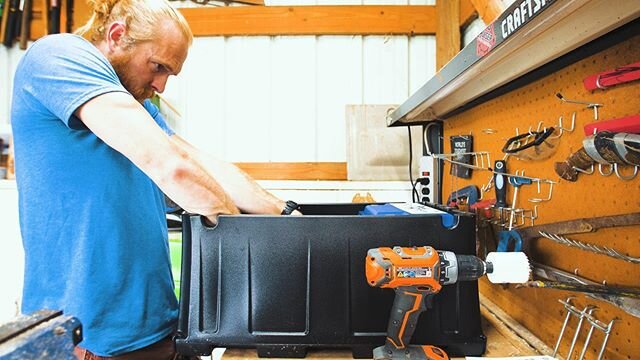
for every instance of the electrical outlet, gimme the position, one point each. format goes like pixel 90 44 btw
pixel 428 179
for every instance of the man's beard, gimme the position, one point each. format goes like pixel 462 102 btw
pixel 120 65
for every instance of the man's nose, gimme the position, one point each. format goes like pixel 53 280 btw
pixel 159 82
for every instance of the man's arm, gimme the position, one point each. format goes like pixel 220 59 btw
pixel 244 191
pixel 123 124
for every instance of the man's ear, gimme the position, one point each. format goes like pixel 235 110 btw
pixel 116 34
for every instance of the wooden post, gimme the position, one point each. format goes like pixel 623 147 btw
pixel 447 31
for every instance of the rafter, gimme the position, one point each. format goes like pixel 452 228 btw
pixel 488 10
pixel 468 13
pixel 312 20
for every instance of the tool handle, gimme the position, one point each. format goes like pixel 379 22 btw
pixel 629 124
pixel 613 77
pixel 500 183
pixel 25 24
pixel 12 14
pixel 69 14
pixel 5 16
pixel 55 17
pixel 408 304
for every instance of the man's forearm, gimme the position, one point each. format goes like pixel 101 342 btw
pixel 128 128
pixel 245 192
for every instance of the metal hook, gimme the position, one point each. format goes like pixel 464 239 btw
pixel 573 123
pixel 631 177
pixel 534 215
pixel 486 187
pixel 537 129
pixel 588 172
pixel 589 105
pixel 566 304
pixel 562 129
pixel 588 310
pixel 539 200
pixel 602 172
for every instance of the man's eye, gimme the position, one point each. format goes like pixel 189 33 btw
pixel 157 67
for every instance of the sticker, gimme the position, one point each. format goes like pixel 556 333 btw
pixel 414 272
pixel 485 41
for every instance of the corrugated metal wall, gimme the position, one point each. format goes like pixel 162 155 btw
pixel 282 98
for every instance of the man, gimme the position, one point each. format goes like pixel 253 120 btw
pixel 93 159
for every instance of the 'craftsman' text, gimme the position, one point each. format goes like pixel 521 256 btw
pixel 520 15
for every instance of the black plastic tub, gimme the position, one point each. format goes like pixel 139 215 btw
pixel 283 284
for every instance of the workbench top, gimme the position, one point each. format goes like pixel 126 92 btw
pixel 505 338
pixel 498 344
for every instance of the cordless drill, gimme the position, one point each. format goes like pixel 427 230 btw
pixel 417 272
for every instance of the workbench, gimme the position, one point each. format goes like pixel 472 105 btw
pixel 505 337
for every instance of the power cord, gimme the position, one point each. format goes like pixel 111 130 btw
pixel 414 192
pixel 425 138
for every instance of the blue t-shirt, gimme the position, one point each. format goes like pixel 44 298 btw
pixel 93 225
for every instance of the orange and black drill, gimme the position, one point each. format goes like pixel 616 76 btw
pixel 417 272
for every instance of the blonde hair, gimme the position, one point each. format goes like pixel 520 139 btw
pixel 141 18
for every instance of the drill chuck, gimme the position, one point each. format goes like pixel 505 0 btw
pixel 454 268
pixel 500 268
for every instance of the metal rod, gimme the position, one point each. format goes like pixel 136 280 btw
pixel 587 310
pixel 586 342
pixel 630 305
pixel 478 157
pixel 538 200
pixel 564 327
pixel 589 105
pixel 606 338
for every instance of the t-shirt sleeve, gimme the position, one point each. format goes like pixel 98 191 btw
pixel 153 110
pixel 64 72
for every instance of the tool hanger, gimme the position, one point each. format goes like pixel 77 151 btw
pixel 585 314
pixel 480 159
pixel 593 106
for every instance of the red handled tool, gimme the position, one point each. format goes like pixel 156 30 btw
pixel 613 77
pixel 629 124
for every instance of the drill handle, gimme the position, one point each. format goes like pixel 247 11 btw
pixel 408 304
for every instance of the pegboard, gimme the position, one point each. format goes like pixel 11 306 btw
pixel 495 121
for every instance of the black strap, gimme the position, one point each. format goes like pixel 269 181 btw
pixel 289 207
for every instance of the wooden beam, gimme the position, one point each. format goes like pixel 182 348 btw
pixel 447 32
pixel 295 170
pixel 313 20
pixel 489 10
pixel 468 13
pixel 250 2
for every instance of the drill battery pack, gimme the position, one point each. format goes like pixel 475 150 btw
pixel 284 284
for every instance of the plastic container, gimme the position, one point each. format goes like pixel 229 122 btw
pixel 283 284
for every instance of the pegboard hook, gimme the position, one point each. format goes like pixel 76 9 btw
pixel 587 171
pixel 622 177
pixel 539 200
pixel 561 127
pixel 602 172
pixel 589 105
pixel 537 129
